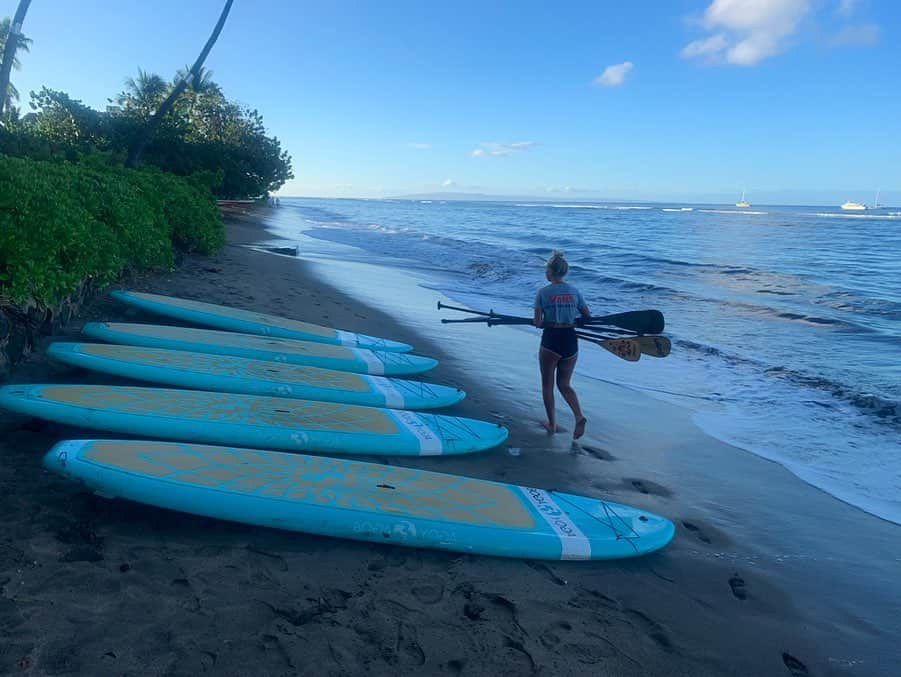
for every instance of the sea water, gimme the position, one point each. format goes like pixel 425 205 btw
pixel 785 321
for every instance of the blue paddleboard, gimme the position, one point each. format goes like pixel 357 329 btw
pixel 250 322
pixel 362 501
pixel 253 421
pixel 231 374
pixel 289 351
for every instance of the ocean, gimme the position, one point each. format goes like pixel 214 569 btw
pixel 785 321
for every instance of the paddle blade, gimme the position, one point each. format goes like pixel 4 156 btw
pixel 639 321
pixel 626 348
pixel 655 346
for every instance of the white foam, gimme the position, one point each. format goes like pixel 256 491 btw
pixel 583 206
pixel 729 211
pixel 890 216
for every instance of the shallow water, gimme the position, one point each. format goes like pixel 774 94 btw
pixel 785 321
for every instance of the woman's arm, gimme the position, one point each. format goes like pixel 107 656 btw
pixel 583 307
pixel 538 318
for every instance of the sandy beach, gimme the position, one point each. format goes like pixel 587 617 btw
pixel 766 575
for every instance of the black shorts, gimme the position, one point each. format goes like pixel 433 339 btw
pixel 561 341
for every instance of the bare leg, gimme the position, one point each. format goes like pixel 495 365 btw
pixel 565 370
pixel 547 362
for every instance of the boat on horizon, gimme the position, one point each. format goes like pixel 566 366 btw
pixel 851 206
pixel 742 203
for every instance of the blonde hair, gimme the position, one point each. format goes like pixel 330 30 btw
pixel 557 264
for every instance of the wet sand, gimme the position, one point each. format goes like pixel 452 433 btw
pixel 766 575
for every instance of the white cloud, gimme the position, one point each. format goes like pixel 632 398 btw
pixel 448 183
pixel 747 31
pixel 495 149
pixel 864 35
pixel 708 47
pixel 420 146
pixel 614 76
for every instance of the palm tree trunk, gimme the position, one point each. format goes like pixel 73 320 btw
pixel 146 134
pixel 9 52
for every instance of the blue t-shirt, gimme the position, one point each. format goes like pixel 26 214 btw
pixel 560 303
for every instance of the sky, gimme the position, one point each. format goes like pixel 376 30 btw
pixel 796 101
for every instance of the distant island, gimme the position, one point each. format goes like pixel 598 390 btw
pixel 483 197
pixel 772 198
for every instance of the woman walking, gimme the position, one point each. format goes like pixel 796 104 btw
pixel 557 306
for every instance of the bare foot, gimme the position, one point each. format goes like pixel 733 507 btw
pixel 579 430
pixel 551 429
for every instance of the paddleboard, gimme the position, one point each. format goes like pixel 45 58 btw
pixel 289 351
pixel 253 421
pixel 362 501
pixel 253 377
pixel 250 322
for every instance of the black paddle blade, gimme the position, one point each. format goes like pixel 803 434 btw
pixel 639 321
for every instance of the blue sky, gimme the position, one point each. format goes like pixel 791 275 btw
pixel 797 100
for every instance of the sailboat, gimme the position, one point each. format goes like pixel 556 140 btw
pixel 742 202
pixel 876 204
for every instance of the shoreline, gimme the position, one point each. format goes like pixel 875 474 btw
pixel 234 599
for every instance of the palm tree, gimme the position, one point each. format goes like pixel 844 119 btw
pixel 201 82
pixel 147 86
pixel 144 93
pixel 146 135
pixel 12 41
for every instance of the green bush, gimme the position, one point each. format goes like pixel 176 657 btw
pixel 63 223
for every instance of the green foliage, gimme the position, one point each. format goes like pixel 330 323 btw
pixel 206 132
pixel 203 133
pixel 62 223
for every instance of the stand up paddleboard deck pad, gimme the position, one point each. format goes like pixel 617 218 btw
pixel 250 322
pixel 253 421
pixel 362 501
pixel 289 351
pixel 253 377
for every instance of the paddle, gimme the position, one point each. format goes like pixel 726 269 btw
pixel 654 346
pixel 638 321
pixel 625 348
pixel 489 314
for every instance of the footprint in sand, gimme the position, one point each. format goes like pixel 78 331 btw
pixel 429 593
pixel 696 530
pixel 739 587
pixel 546 570
pixel 455 667
pixel 795 667
pixel 599 454
pixel 647 487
